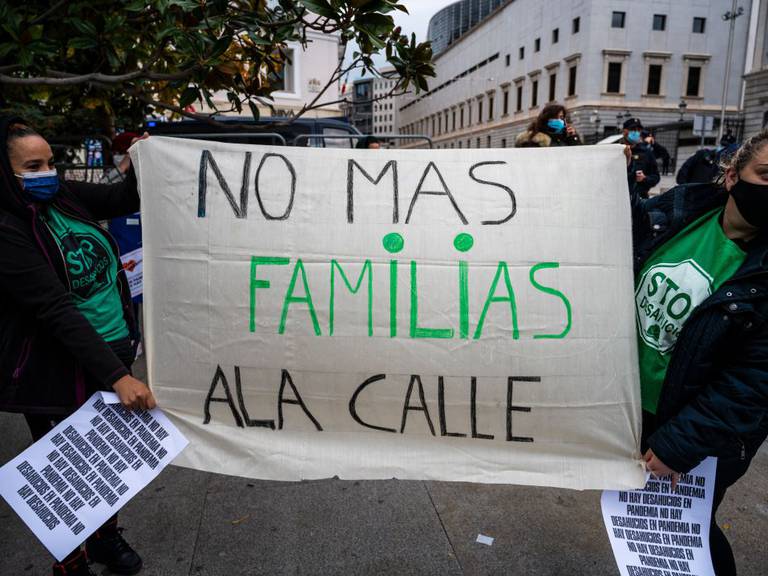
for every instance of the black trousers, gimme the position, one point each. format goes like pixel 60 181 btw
pixel 729 470
pixel 41 424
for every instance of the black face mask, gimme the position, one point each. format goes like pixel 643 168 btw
pixel 752 201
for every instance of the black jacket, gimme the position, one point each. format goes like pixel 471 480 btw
pixel 701 167
pixel 714 401
pixel 530 139
pixel 660 153
pixel 51 357
pixel 642 159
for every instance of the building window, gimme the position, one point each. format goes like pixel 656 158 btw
pixel 503 142
pixel 522 52
pixel 490 107
pixel 453 120
pixel 460 143
pixel 534 93
pixel 555 35
pixel 694 81
pixel 617 19
pixel 282 80
pixel 479 111
pixel 614 78
pixel 461 117
pixel 478 142
pixel 469 143
pixel 654 79
pixel 469 115
pixel 699 24
pixel 537 45
pixel 572 81
pixel 659 22
pixel 575 25
pixel 552 87
pixel 506 59
pixel 505 102
pixel 488 142
pixel 519 104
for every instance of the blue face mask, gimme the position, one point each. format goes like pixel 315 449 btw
pixel 40 186
pixel 634 136
pixel 556 125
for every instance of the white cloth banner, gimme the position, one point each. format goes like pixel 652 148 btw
pixel 82 472
pixel 452 315
pixel 658 531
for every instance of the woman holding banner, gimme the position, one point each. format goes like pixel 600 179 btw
pixel 701 266
pixel 66 322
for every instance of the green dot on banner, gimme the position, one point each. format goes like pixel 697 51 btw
pixel 463 242
pixel 393 242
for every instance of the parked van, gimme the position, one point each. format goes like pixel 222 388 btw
pixel 270 130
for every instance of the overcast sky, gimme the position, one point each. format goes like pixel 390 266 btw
pixel 420 11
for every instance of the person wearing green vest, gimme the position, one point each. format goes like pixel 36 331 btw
pixel 67 327
pixel 701 304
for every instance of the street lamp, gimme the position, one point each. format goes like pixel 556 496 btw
pixel 619 121
pixel 682 107
pixel 595 119
pixel 729 17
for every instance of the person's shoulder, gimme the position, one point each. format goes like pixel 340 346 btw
pixel 529 138
pixel 689 197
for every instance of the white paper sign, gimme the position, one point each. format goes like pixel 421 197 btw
pixel 133 264
pixel 82 472
pixel 450 315
pixel 660 532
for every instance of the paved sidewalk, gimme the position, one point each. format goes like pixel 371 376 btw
pixel 194 523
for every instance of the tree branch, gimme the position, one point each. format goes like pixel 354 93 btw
pixel 56 78
pixel 337 74
pixel 347 101
pixel 207 119
pixel 50 11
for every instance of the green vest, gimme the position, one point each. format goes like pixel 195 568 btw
pixel 92 271
pixel 679 276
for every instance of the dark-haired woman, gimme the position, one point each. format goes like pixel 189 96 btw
pixel 551 128
pixel 701 268
pixel 66 323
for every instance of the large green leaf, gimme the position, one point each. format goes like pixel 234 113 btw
pixel 321 7
pixel 190 94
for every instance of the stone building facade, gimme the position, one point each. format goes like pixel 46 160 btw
pixel 756 79
pixel 605 60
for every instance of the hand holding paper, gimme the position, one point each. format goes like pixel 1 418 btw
pixel 134 394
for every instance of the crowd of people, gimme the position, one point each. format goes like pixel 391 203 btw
pixel 66 333
pixel 552 127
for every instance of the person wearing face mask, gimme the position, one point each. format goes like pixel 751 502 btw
pixel 642 170
pixel 67 328
pixel 701 270
pixel 549 129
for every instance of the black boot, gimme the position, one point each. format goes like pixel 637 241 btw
pixel 76 564
pixel 107 546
